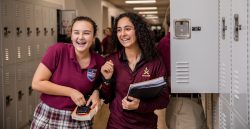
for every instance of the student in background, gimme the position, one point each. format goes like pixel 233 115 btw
pixel 65 76
pixel 107 46
pixel 136 61
pixel 185 110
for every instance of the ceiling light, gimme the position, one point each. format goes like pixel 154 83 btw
pixel 148 12
pixel 152 17
pixel 145 8
pixel 140 1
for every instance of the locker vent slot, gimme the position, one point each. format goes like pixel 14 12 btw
pixel 38 49
pixel 18 11
pixel 223 73
pixel 6 78
pixel 4 11
pixel 27 13
pixel 6 54
pixel 18 52
pixel 182 72
pixel 236 86
pixel 29 50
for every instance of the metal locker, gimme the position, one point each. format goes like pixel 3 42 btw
pixel 225 48
pixel 194 46
pixel 45 27
pixel 9 97
pixel 237 123
pixel 29 31
pixel 19 32
pixel 1 71
pixel 21 95
pixel 225 115
pixel 239 57
pixel 8 45
pixel 38 31
pixel 53 27
pixel 32 102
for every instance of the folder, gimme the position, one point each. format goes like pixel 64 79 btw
pixel 147 89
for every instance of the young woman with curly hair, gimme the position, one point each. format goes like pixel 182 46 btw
pixel 136 61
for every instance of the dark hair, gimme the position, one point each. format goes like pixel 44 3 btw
pixel 143 34
pixel 168 16
pixel 84 18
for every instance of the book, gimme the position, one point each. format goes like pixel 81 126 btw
pixel 84 116
pixel 147 89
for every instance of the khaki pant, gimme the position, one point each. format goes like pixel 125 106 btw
pixel 185 113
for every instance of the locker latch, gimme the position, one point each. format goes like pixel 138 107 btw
pixel 8 100
pixel 37 31
pixel 224 27
pixel 182 28
pixel 45 31
pixel 20 94
pixel 28 31
pixel 52 31
pixel 6 31
pixel 18 31
pixel 30 90
pixel 237 27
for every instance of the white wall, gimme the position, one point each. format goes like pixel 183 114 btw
pixel 112 11
pixel 88 8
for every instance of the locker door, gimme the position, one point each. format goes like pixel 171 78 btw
pixel 225 54
pixel 1 71
pixel 194 46
pixel 239 57
pixel 53 28
pixel 46 27
pixel 20 66
pixel 225 115
pixel 19 32
pixel 8 46
pixel 30 66
pixel 38 31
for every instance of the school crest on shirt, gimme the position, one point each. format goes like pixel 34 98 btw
pixel 146 72
pixel 91 74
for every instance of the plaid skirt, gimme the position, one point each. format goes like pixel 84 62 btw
pixel 46 117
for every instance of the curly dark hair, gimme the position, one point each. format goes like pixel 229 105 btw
pixel 84 18
pixel 143 34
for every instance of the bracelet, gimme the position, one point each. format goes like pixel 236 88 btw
pixel 106 81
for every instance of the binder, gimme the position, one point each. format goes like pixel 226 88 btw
pixel 147 89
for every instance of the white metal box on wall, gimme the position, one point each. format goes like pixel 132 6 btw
pixel 194 46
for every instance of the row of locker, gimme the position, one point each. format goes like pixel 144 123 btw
pixel 27 29
pixel 234 67
pixel 210 54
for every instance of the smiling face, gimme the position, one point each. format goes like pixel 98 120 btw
pixel 126 33
pixel 82 36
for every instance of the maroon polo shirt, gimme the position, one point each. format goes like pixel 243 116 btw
pixel 61 60
pixel 164 49
pixel 143 117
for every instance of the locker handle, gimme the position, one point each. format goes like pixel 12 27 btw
pixel 37 31
pixel 52 31
pixel 19 31
pixel 6 31
pixel 8 100
pixel 28 31
pixel 45 31
pixel 224 27
pixel 20 94
pixel 30 90
pixel 237 27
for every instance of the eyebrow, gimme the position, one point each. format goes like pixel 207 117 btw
pixel 126 26
pixel 83 30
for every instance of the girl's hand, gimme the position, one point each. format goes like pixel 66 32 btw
pixel 77 97
pixel 130 103
pixel 107 69
pixel 94 99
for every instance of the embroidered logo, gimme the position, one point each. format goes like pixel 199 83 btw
pixel 91 74
pixel 146 73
